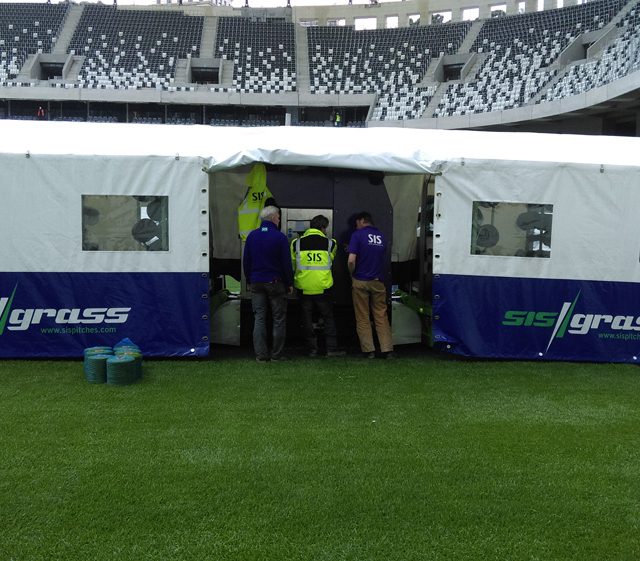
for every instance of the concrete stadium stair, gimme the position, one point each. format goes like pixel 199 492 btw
pixel 208 40
pixel 302 60
pixel 68 29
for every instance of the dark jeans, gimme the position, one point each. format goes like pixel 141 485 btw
pixel 263 295
pixel 324 305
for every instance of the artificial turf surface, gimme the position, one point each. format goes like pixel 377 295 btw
pixel 422 458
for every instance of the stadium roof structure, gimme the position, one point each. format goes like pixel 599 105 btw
pixel 386 149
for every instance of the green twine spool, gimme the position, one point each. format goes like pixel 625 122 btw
pixel 137 356
pixel 104 350
pixel 122 370
pixel 92 351
pixel 95 368
pixel 126 348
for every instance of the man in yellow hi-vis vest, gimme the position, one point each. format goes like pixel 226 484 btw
pixel 253 202
pixel 312 255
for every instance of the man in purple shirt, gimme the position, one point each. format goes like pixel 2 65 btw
pixel 267 268
pixel 367 249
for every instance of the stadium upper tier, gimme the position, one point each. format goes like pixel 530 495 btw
pixel 520 54
pixel 342 60
pixel 26 29
pixel 620 58
pixel 263 54
pixel 133 49
pixel 387 62
pixel 407 73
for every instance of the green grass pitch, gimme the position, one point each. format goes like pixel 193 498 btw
pixel 421 458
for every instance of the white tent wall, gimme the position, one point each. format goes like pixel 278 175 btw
pixel 61 291
pixel 573 296
pixel 404 192
pixel 227 189
pixel 596 231
pixel 42 211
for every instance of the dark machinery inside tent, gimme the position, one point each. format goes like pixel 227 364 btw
pixel 302 193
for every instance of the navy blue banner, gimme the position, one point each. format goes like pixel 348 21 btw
pixel 61 314
pixel 546 319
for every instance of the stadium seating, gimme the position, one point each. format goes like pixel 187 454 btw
pixel 520 50
pixel 315 123
pixel 516 64
pixel 26 29
pixel 147 120
pixel 133 49
pixel 69 119
pixel 263 54
pixel 389 62
pixel 407 103
pixel 176 120
pixel 244 122
pixel 102 119
pixel 616 61
pixel 343 60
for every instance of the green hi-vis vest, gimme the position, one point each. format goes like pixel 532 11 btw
pixel 253 202
pixel 312 255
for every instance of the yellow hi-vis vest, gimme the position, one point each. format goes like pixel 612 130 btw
pixel 312 255
pixel 253 202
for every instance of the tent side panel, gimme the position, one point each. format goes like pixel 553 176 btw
pixel 537 261
pixel 101 248
pixel 61 314
pixel 530 319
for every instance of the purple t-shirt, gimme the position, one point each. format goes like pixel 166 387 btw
pixel 369 246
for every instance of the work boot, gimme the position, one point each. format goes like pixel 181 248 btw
pixel 280 358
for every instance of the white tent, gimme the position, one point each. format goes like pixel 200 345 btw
pixel 387 149
pixel 579 301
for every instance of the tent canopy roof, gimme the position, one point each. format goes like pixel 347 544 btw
pixel 394 150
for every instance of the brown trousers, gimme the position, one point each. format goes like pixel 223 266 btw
pixel 371 295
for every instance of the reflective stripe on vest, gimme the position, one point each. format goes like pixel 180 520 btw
pixel 249 214
pixel 301 267
pixel 254 199
pixel 249 218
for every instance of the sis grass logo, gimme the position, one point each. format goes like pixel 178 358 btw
pixel 5 308
pixel 566 321
pixel 19 319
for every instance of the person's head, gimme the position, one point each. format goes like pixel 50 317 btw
pixel 270 214
pixel 363 219
pixel 319 222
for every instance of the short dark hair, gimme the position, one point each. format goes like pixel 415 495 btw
pixel 364 216
pixel 319 222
